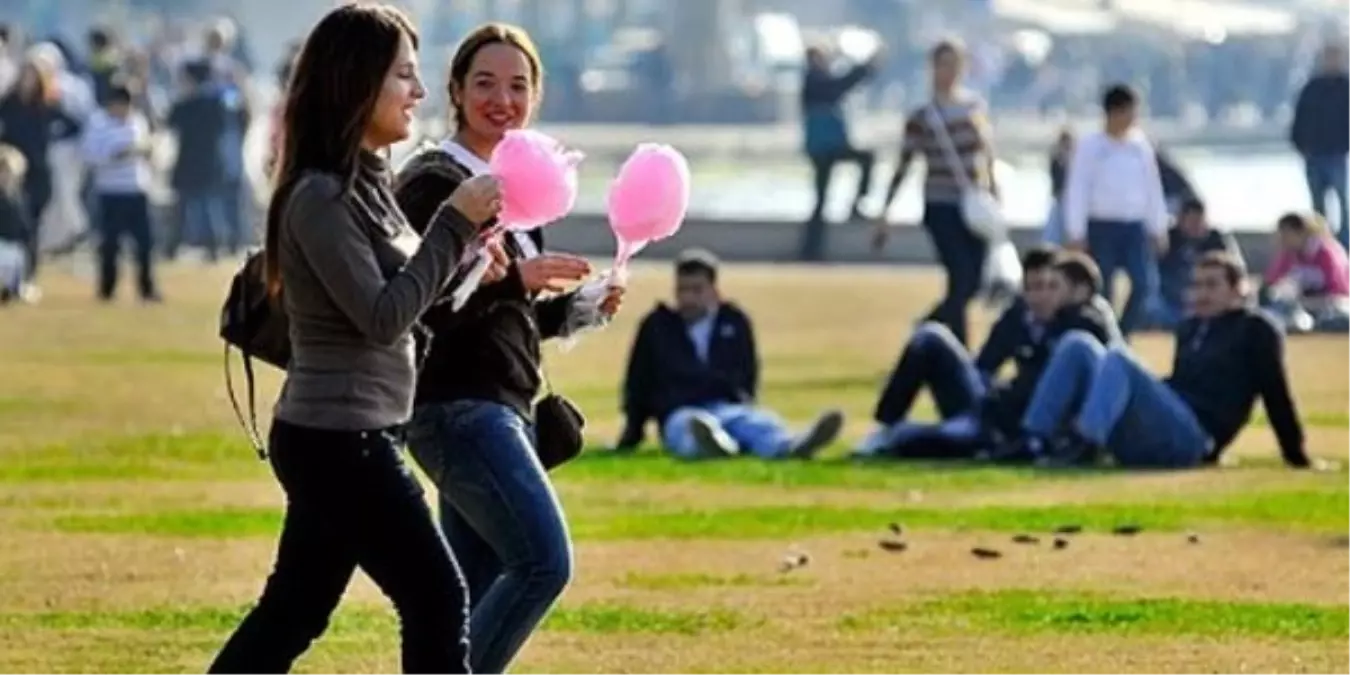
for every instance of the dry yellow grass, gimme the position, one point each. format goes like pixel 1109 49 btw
pixel 91 391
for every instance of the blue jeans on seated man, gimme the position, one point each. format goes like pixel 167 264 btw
pixel 724 429
pixel 1116 245
pixel 1119 405
pixel 935 358
pixel 501 517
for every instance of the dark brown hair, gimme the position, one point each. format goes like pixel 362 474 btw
pixel 1080 269
pixel 945 47
pixel 47 91
pixel 334 86
pixel 474 42
pixel 1234 272
pixel 1303 223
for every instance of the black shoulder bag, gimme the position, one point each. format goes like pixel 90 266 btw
pixel 257 326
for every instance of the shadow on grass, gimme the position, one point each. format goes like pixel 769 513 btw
pixel 1320 511
pixel 586 618
pixel 1019 612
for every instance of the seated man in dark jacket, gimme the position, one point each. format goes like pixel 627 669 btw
pixel 694 369
pixel 1060 293
pixel 1190 238
pixel 1226 356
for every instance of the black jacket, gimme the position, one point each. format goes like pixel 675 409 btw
pixel 1094 317
pixel 15 225
pixel 489 349
pixel 1222 365
pixel 1320 116
pixel 664 373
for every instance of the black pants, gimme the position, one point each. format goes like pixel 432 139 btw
pixel 961 254
pixel 932 358
pixel 822 164
pixel 352 502
pixel 122 216
pixel 37 193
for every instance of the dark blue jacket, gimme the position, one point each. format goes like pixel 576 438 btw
pixel 664 373
pixel 1322 116
pixel 823 92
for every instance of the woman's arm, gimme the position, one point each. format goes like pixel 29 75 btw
pixel 338 249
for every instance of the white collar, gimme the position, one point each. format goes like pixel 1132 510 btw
pixel 478 167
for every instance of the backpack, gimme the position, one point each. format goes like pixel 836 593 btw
pixel 257 326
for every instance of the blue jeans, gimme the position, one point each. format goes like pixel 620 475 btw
pixel 755 430
pixel 1328 173
pixel 1053 232
pixel 501 517
pixel 1120 406
pixel 1115 245
pixel 206 220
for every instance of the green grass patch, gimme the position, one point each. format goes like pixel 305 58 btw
pixel 186 456
pixel 589 618
pixel 1317 510
pixel 678 582
pixel 1029 612
pixel 655 467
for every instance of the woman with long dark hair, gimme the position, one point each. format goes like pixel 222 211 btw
pixel 354 278
pixel 31 119
pixel 473 428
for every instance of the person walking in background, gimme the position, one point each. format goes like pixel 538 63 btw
pixel 827 139
pixel 31 118
pixel 479 427
pixel 105 62
pixel 954 135
pixel 1114 205
pixel 1321 135
pixel 16 225
pixel 117 148
pixel 198 119
pixel 230 78
pixel 1053 232
pixel 353 279
pixel 1189 240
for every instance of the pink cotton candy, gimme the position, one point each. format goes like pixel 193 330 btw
pixel 649 198
pixel 538 179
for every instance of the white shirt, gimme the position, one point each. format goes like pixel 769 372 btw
pixel 478 167
pixel 104 138
pixel 1114 179
pixel 700 334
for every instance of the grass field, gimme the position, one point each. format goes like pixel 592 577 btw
pixel 138 525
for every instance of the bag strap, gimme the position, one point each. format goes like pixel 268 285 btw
pixel 251 426
pixel 944 139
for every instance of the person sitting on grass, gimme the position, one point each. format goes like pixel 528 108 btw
pixel 15 227
pixel 694 369
pixel 1190 238
pixel 1226 356
pixel 1060 293
pixel 1308 285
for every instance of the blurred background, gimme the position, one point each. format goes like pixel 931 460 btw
pixel 721 80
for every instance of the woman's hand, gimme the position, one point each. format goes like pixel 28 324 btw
pixel 613 300
pixel 501 261
pixel 478 198
pixel 548 271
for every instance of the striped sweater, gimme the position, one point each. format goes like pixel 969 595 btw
pixel 967 124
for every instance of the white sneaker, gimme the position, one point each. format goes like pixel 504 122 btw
pixel 820 434
pixel 873 442
pixel 30 293
pixel 710 439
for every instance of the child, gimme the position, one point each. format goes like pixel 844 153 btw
pixel 117 148
pixel 15 229
pixel 1308 285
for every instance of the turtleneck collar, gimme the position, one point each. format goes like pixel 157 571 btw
pixel 373 166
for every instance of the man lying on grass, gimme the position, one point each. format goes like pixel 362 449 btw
pixel 1093 399
pixel 695 370
pixel 1060 293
